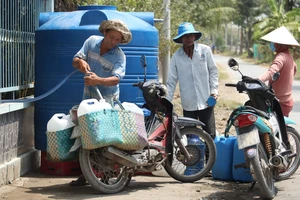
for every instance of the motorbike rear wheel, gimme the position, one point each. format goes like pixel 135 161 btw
pixel 103 176
pixel 179 166
pixel 262 173
pixel 294 139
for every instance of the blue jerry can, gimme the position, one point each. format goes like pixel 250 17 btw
pixel 240 174
pixel 222 169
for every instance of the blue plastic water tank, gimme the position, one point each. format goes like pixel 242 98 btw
pixel 222 169
pixel 61 35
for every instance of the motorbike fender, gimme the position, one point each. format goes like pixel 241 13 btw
pixel 262 126
pixel 251 152
pixel 187 121
pixel 77 145
pixel 76 132
pixel 289 121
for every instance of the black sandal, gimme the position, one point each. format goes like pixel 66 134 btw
pixel 79 182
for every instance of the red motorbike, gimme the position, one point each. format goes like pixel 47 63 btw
pixel 178 144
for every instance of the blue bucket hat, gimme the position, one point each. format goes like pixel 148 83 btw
pixel 186 28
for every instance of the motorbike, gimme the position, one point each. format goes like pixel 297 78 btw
pixel 175 143
pixel 270 144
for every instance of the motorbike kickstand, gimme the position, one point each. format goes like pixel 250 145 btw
pixel 252 185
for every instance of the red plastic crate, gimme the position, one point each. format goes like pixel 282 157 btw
pixel 69 168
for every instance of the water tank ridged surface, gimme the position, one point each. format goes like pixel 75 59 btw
pixel 61 35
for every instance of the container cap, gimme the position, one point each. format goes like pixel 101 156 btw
pixel 211 101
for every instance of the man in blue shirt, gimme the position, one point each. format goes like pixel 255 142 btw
pixel 102 59
pixel 193 66
pixel 104 63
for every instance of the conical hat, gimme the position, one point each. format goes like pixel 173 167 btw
pixel 281 36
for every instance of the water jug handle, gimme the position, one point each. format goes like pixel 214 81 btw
pixel 98 92
pixel 59 115
pixel 119 103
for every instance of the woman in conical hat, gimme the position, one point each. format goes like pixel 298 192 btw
pixel 280 41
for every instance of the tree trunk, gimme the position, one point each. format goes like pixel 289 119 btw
pixel 289 5
pixel 241 42
pixel 249 43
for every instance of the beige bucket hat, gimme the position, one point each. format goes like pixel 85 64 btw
pixel 117 25
pixel 281 36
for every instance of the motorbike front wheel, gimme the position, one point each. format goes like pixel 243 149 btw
pixel 261 170
pixel 103 175
pixel 202 150
pixel 294 140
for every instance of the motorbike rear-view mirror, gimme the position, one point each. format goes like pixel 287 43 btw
pixel 233 64
pixel 275 76
pixel 143 63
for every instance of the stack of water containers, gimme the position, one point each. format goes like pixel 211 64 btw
pixel 59 130
pixel 228 156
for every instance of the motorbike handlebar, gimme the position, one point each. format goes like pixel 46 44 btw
pixel 230 84
pixel 138 84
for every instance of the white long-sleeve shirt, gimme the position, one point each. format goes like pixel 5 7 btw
pixel 197 77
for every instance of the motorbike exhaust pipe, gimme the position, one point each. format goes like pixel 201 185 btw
pixel 122 157
pixel 119 156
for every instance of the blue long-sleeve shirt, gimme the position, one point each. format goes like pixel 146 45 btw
pixel 197 77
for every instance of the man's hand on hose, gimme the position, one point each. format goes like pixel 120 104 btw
pixel 91 79
pixel 83 66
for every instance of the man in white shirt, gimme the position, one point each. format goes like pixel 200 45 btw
pixel 193 66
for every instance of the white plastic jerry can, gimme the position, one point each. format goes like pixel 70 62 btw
pixel 59 122
pixel 92 105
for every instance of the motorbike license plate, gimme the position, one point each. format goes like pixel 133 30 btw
pixel 248 139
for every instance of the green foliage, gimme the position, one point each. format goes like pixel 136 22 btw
pixel 266 54
pixel 297 76
pixel 257 17
pixel 206 15
pixel 276 17
pixel 219 41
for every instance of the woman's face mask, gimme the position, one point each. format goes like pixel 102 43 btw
pixel 272 47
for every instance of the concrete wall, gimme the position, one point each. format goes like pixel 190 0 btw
pixel 17 153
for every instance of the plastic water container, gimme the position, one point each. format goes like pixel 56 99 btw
pixel 92 105
pixel 222 169
pixel 198 166
pixel 240 174
pixel 59 122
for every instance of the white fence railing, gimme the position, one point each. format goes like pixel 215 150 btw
pixel 18 22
